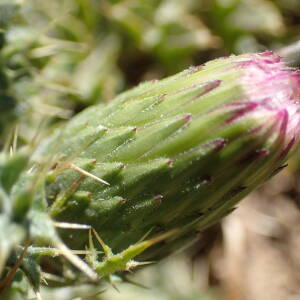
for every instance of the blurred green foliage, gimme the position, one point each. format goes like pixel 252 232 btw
pixel 60 56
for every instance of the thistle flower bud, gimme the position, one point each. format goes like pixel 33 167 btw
pixel 176 153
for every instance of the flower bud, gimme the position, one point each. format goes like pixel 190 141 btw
pixel 175 153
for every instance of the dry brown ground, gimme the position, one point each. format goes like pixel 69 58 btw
pixel 259 255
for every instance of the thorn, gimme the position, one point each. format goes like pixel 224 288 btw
pixel 158 199
pixel 287 149
pixel 91 256
pixel 106 249
pixel 38 295
pixel 262 152
pixel 219 143
pixel 88 174
pixel 241 112
pixel 254 155
pixel 133 264
pixel 125 279
pixel 15 139
pixel 91 243
pixel 55 252
pixel 121 165
pixel 163 96
pixel 145 235
pixel 277 170
pixel 51 277
pixel 170 163
pixel 112 284
pixel 85 252
pixel 187 117
pixel 208 87
pixel 76 261
pixel 61 199
pixel 163 236
pixel 43 279
pixel 71 225
pixel 193 69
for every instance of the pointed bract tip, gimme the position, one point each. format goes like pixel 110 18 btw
pixel 288 148
pixel 219 143
pixel 208 87
pixel 262 152
pixel 121 166
pixel 170 163
pixel 187 117
pixel 158 198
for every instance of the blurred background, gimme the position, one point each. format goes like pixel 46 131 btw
pixel 58 57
